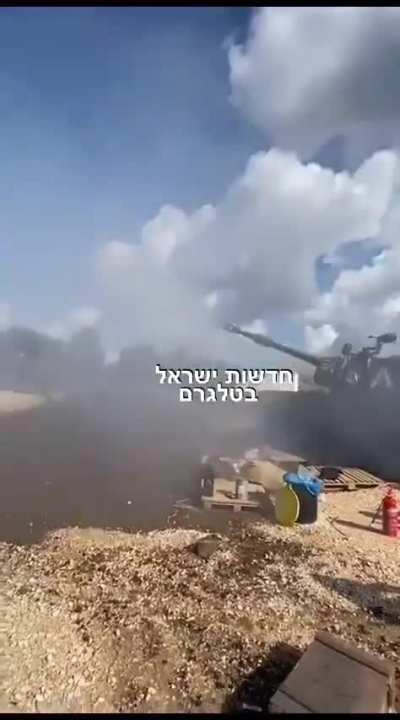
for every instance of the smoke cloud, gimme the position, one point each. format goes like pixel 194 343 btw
pixel 248 258
pixel 309 74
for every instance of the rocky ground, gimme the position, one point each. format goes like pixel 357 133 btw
pixel 95 620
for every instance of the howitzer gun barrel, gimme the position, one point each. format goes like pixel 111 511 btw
pixel 268 342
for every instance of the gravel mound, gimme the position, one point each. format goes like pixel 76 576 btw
pixel 108 621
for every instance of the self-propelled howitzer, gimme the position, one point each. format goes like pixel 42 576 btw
pixel 359 370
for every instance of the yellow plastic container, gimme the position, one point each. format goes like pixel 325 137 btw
pixel 287 507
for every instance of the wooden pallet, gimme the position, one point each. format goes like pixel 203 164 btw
pixel 226 487
pixel 344 478
pixel 235 504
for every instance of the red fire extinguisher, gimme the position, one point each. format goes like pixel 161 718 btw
pixel 390 514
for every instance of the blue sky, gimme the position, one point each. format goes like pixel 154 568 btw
pixel 106 115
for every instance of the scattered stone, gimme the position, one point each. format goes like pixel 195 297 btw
pixel 207 546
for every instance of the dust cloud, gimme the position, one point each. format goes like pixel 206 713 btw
pixel 111 446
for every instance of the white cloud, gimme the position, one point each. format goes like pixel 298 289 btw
pixel 365 301
pixel 391 308
pixel 78 319
pixel 308 74
pixel 116 257
pixel 111 357
pixel 320 339
pixel 162 235
pixel 256 326
pixel 211 300
pixel 305 75
pixel 249 256
pixel 84 317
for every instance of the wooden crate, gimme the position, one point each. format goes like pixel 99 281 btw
pixel 235 504
pixel 224 496
pixel 226 487
pixel 336 677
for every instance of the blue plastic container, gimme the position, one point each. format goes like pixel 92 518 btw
pixel 307 489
